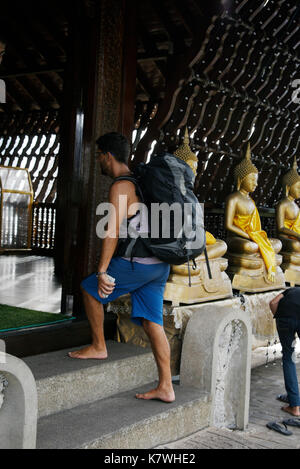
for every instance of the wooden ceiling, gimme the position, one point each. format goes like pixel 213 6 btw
pixel 166 29
pixel 37 42
pixel 33 66
pixel 37 36
pixel 238 84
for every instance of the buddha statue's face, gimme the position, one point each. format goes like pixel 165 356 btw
pixel 249 183
pixel 294 191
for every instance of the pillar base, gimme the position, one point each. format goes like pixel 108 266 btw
pixel 256 280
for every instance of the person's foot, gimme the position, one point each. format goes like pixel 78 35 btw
pixel 294 411
pixel 165 395
pixel 89 353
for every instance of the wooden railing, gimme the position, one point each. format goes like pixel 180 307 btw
pixel 43 226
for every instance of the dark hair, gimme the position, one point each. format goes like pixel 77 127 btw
pixel 116 144
pixel 2 40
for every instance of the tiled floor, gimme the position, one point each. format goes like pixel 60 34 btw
pixel 29 282
pixel 266 384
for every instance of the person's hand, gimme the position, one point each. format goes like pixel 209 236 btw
pixel 271 275
pixel 105 287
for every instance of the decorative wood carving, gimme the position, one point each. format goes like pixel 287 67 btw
pixel 237 87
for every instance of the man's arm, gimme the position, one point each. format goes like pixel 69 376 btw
pixel 275 302
pixel 118 197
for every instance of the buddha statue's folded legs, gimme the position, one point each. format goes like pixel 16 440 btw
pixel 290 245
pixel 245 246
pixel 218 249
pixel 244 256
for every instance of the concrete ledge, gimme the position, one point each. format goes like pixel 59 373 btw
pixel 123 422
pixel 64 383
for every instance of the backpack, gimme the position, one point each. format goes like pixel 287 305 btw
pixel 175 236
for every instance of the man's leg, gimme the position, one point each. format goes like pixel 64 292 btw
pixel 95 313
pixel 161 350
pixel 286 333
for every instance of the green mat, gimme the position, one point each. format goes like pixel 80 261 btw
pixel 13 318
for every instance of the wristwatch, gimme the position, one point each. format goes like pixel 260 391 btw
pixel 100 273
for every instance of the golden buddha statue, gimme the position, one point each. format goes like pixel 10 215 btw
pixel 202 287
pixel 253 257
pixel 288 225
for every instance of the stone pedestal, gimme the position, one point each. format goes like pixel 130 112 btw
pixel 255 306
pixel 203 288
pixel 249 274
pixel 18 404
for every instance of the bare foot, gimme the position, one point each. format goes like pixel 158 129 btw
pixel 294 411
pixel 160 394
pixel 89 353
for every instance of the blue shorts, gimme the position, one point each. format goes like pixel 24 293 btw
pixel 145 282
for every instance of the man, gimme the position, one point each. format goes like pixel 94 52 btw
pixel 143 278
pixel 286 310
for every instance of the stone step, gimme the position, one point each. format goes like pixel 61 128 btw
pixel 64 383
pixel 122 421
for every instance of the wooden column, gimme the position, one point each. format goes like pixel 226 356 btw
pixel 126 119
pixel 100 92
pixel 69 174
pixel 115 96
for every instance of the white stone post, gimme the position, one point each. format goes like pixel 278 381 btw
pixel 18 404
pixel 216 358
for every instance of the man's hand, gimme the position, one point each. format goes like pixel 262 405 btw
pixel 271 275
pixel 105 287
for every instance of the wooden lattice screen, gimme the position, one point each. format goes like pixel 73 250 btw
pixel 31 140
pixel 238 87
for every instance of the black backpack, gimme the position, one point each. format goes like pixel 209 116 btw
pixel 167 180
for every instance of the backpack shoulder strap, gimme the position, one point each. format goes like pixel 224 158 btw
pixel 134 181
pixel 125 178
